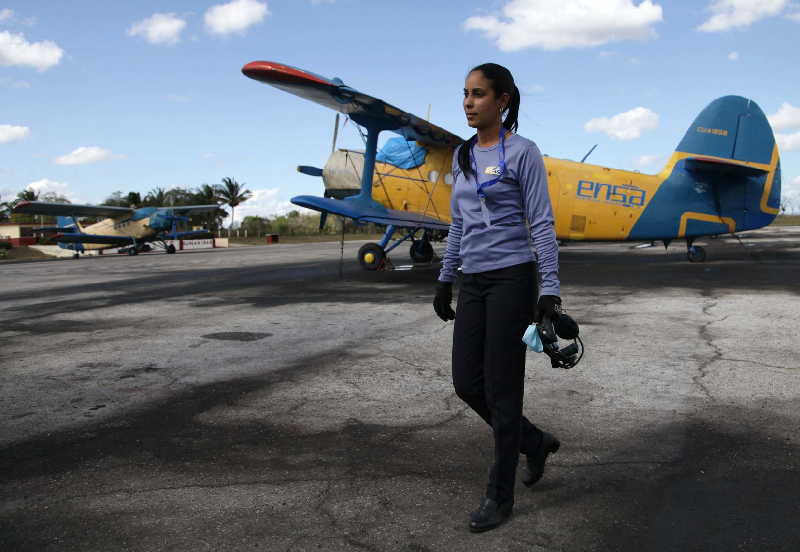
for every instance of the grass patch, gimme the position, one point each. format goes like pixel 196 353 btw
pixel 786 220
pixel 23 254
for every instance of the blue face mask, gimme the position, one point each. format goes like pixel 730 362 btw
pixel 532 340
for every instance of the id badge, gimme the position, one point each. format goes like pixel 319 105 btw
pixel 485 211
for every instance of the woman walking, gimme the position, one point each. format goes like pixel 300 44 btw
pixel 499 206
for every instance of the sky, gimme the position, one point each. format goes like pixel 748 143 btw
pixel 98 96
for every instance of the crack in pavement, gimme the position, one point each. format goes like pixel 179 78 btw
pixel 708 340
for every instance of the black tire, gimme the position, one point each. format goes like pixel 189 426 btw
pixel 171 249
pixel 421 251
pixel 132 251
pixel 371 256
pixel 76 255
pixel 696 254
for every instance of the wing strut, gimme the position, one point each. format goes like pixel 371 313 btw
pixel 369 162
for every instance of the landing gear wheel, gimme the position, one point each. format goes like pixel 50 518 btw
pixel 170 249
pixel 370 256
pixel 132 251
pixel 76 255
pixel 421 251
pixel 696 254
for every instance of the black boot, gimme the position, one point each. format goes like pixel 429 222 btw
pixel 536 460
pixel 489 515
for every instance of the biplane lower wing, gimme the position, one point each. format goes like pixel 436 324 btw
pixel 93 238
pixel 190 235
pixel 365 211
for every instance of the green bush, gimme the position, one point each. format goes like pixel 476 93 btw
pixel 5 245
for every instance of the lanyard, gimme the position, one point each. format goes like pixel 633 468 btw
pixel 501 161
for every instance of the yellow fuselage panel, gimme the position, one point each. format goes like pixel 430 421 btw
pixel 425 189
pixel 590 202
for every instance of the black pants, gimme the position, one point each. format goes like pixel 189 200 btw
pixel 494 308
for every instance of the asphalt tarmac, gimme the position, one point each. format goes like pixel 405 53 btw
pixel 251 399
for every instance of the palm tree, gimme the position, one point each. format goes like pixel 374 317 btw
pixel 156 197
pixel 28 195
pixel 232 194
pixel 206 195
pixel 134 199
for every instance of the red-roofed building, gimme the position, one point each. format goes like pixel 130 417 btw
pixel 19 233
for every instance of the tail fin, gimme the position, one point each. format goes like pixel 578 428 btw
pixel 734 128
pixel 68 222
pixel 731 127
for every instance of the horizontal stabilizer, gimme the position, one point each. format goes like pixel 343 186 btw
pixel 61 229
pixel 92 238
pixel 722 166
pixel 360 210
pixel 310 171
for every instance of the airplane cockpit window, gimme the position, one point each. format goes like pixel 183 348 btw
pixel 433 176
pixel 448 179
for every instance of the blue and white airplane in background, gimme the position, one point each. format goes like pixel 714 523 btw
pixel 123 227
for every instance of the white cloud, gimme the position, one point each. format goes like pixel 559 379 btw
pixel 159 28
pixel 625 126
pixel 45 187
pixel 733 56
pixel 788 142
pixel 263 203
pixel 532 89
pixel 557 24
pixel 788 116
pixel 794 16
pixel 10 133
pixel 235 16
pixel 644 161
pixel 728 14
pixel 86 154
pixel 15 50
pixel 6 14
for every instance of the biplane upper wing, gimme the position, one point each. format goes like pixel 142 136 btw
pixel 333 93
pixel 70 210
pixel 194 209
pixel 362 211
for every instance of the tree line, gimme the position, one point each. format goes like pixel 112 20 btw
pixel 229 192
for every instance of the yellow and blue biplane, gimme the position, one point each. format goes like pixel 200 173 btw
pixel 724 176
pixel 123 227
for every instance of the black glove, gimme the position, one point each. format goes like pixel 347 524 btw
pixel 548 305
pixel 441 303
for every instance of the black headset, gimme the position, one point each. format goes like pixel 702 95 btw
pixel 563 326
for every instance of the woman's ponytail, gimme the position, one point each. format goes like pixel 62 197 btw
pixel 512 111
pixel 464 162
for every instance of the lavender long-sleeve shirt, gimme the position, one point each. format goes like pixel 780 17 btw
pixel 515 204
